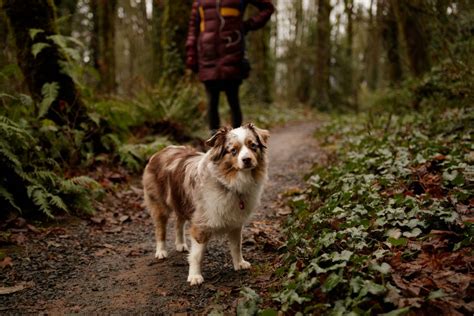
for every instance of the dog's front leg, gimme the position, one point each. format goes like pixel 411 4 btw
pixel 235 243
pixel 195 260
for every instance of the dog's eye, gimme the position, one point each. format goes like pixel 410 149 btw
pixel 253 146
pixel 233 151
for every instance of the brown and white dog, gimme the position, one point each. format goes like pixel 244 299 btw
pixel 215 191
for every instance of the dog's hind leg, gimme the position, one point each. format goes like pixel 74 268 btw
pixel 180 240
pixel 160 215
pixel 160 234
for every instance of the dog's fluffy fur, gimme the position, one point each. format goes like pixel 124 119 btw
pixel 215 191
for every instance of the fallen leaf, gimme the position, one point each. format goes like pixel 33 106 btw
pixel 284 211
pixel 6 262
pixel 18 239
pixel 101 252
pixel 33 228
pixel 443 232
pixel 439 157
pixel 97 220
pixel 19 222
pixel 113 230
pixel 400 283
pixel 53 243
pixel 124 218
pixel 136 190
pixel 5 290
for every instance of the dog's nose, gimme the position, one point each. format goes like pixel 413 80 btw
pixel 247 161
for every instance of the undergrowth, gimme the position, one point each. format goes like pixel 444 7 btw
pixel 387 227
pixel 31 181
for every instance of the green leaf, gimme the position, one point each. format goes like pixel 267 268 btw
pixel 345 255
pixel 374 288
pixel 38 47
pixel 397 312
pixel 398 242
pixel 356 284
pixel 415 232
pixel 58 40
pixel 249 305
pixel 34 32
pixel 436 294
pixel 50 93
pixel 75 41
pixel 268 312
pixel 394 233
pixel 331 282
pixel 384 268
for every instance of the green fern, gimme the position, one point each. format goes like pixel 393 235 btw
pixel 39 196
pixel 50 93
pixel 8 157
pixel 29 181
pixel 7 196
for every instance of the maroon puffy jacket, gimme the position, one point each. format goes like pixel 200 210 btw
pixel 215 45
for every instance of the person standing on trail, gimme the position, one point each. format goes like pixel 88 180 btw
pixel 215 49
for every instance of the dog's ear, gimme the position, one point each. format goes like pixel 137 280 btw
pixel 218 138
pixel 217 143
pixel 262 135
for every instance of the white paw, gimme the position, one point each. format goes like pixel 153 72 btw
pixel 161 254
pixel 182 247
pixel 195 279
pixel 242 265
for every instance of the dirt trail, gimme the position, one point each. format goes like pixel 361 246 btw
pixel 84 267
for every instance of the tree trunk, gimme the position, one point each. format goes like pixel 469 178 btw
pixel 103 42
pixel 48 65
pixel 261 59
pixel 174 32
pixel 350 81
pixel 156 24
pixel 3 40
pixel 373 47
pixel 389 31
pixel 323 30
pixel 413 35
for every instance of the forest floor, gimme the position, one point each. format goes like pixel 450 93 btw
pixel 106 263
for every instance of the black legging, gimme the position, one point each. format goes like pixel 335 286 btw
pixel 231 89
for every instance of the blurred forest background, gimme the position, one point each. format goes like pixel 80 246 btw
pixel 90 82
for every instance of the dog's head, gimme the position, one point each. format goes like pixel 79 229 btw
pixel 242 148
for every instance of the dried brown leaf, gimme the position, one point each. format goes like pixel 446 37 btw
pixel 5 290
pixel 6 262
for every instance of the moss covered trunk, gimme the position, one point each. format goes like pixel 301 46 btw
pixel 261 60
pixel 174 31
pixel 323 32
pixel 26 18
pixel 156 25
pixel 103 40
pixel 389 31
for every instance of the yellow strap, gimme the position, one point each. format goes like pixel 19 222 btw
pixel 230 12
pixel 224 12
pixel 201 14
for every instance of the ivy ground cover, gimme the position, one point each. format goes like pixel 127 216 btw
pixel 386 228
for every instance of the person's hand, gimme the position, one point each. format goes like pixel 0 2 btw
pixel 192 64
pixel 188 72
